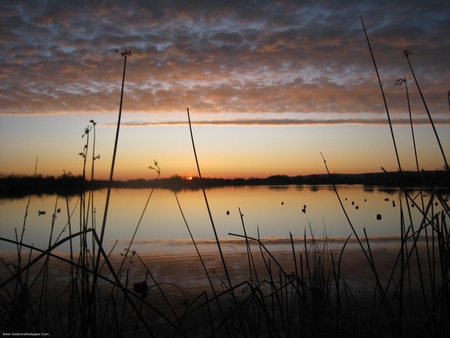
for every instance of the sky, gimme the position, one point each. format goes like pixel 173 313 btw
pixel 270 86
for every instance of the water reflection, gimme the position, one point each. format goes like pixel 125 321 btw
pixel 269 212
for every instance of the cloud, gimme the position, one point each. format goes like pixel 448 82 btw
pixel 244 57
pixel 286 122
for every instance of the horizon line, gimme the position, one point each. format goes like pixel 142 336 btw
pixel 283 122
pixel 190 177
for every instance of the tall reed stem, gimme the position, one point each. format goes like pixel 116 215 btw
pixel 207 206
pixel 111 175
pixel 116 142
pixel 406 53
pixel 384 99
pixel 399 82
pixel 367 253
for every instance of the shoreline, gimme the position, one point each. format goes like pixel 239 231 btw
pixel 20 186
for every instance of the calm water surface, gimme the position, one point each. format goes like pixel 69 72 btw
pixel 273 211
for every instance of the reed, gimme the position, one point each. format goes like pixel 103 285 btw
pixel 406 54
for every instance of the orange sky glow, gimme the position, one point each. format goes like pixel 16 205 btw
pixel 270 86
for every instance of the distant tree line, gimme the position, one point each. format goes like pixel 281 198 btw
pixel 19 186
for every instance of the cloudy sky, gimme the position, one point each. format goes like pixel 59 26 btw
pixel 269 85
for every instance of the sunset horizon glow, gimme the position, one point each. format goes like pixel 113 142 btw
pixel 270 87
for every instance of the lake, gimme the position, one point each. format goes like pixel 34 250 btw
pixel 176 282
pixel 273 212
